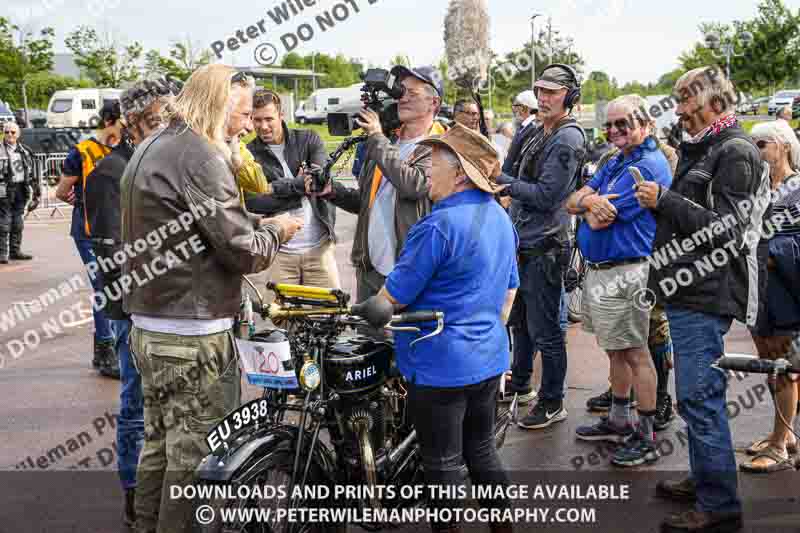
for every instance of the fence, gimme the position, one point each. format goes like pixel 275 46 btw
pixel 48 168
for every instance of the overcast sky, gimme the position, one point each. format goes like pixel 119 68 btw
pixel 628 39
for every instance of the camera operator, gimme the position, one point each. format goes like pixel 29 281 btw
pixel 17 174
pixel 392 191
pixel 309 258
pixel 539 183
pixel 182 341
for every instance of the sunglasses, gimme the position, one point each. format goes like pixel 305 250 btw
pixel 621 125
pixel 10 132
pixel 763 144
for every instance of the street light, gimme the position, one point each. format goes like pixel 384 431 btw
pixel 533 50
pixel 727 49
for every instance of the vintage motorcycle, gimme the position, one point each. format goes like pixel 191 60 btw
pixel 333 412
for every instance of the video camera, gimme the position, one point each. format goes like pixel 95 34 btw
pixel 380 92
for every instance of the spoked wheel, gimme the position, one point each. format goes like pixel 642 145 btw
pixel 573 281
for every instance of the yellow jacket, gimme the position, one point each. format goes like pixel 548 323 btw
pixel 250 177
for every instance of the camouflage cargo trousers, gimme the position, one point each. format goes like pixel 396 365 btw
pixel 189 384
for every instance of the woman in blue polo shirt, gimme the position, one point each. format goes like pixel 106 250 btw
pixel 461 260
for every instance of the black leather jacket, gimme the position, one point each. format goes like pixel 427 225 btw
pixel 712 180
pixel 27 162
pixel 177 180
pixel 302 146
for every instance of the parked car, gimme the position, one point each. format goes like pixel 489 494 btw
pixel 36 118
pixel 5 114
pixel 780 99
pixel 747 105
pixel 78 108
pixel 316 107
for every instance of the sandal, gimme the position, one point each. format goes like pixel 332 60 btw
pixel 782 461
pixel 763 444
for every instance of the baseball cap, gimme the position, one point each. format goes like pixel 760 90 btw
pixel 477 156
pixel 528 99
pixel 427 74
pixel 555 78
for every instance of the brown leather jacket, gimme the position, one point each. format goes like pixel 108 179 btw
pixel 180 198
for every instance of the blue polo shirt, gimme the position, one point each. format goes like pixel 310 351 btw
pixel 631 234
pixel 461 260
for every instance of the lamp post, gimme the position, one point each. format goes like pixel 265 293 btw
pixel 533 50
pixel 727 49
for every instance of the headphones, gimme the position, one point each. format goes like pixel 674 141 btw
pixel 574 92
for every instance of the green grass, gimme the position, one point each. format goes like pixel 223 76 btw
pixel 747 124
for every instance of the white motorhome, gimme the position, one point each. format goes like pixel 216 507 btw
pixel 315 109
pixel 78 108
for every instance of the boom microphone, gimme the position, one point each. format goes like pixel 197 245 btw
pixel 466 42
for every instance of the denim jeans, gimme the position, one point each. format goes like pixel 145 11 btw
pixel 102 327
pixel 697 340
pixel 130 426
pixel 537 325
pixel 456 427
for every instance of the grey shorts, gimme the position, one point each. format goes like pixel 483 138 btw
pixel 615 306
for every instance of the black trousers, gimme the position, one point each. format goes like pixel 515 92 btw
pixel 456 429
pixel 12 216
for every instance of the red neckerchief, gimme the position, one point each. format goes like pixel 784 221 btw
pixel 722 124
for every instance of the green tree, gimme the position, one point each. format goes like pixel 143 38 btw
pixel 18 62
pixel 107 61
pixel 42 85
pixel 184 58
pixel 772 59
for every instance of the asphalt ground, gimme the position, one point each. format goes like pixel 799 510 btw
pixel 50 396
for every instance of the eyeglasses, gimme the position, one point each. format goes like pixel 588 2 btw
pixel 621 125
pixel 763 144
pixel 10 132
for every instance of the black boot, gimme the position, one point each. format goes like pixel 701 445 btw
pixel 15 244
pixel 129 514
pixel 102 349
pixel 3 247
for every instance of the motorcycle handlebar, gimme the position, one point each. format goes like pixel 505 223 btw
pixel 754 365
pixel 417 317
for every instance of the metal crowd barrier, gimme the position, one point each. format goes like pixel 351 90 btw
pixel 48 168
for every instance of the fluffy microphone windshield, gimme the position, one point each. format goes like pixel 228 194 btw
pixel 466 41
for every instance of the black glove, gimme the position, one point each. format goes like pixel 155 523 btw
pixel 376 310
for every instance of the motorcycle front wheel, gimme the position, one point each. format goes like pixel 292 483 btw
pixel 261 515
